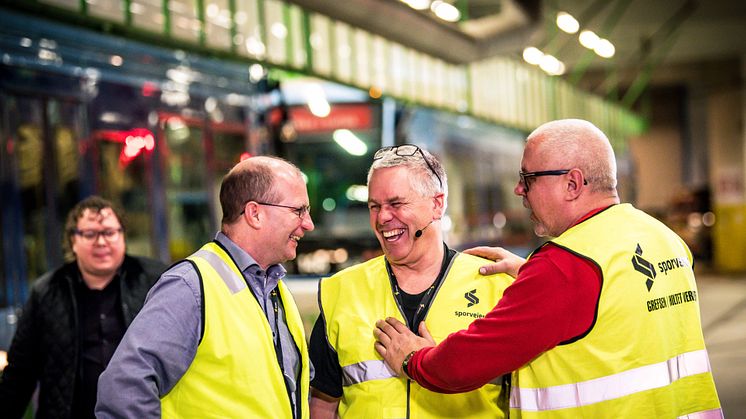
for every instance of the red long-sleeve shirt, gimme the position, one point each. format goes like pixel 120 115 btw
pixel 554 299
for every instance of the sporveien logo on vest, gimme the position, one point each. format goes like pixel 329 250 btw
pixel 643 266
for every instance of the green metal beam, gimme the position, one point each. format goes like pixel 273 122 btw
pixel 233 29
pixel 463 8
pixel 663 39
pixel 289 38
pixel 166 18
pixel 307 40
pixel 202 18
pixel 640 83
pixel 128 12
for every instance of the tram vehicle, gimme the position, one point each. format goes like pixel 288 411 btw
pixel 481 160
pixel 152 129
pixel 155 129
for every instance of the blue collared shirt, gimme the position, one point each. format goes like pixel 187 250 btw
pixel 160 344
pixel 262 284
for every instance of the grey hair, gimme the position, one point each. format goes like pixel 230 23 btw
pixel 424 182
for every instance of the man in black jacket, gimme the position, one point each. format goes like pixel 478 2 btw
pixel 75 317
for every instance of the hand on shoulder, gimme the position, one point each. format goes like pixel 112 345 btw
pixel 505 261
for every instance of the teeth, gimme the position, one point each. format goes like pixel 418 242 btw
pixel 392 233
pixel 296 238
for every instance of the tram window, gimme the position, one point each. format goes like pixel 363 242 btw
pixel 229 147
pixel 228 150
pixel 186 188
pixel 126 183
pixel 107 9
pixel 65 120
pixel 340 219
pixel 148 15
pixel 184 21
pixel 29 152
pixel 218 33
pixel 44 137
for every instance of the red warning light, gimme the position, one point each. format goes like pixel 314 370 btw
pixel 134 142
pixel 149 89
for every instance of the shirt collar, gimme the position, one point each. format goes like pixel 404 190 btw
pixel 245 262
pixel 591 214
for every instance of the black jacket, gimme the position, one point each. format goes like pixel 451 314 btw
pixel 45 345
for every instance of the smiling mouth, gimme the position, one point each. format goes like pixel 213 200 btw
pixel 294 238
pixel 392 234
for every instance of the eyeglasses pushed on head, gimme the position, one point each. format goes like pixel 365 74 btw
pixel 406 150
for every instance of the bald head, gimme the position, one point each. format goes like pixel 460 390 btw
pixel 568 143
pixel 252 180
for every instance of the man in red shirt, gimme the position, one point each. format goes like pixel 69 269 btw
pixel 586 328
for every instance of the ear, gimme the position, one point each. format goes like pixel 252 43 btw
pixel 575 183
pixel 438 205
pixel 252 215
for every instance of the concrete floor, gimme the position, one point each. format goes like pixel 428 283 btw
pixel 723 304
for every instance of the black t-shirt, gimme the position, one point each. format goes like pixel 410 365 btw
pixel 101 327
pixel 327 371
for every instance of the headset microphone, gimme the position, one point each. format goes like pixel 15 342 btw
pixel 418 233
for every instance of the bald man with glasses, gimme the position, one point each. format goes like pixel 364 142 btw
pixel 597 323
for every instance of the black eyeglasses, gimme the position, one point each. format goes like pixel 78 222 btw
pixel 525 176
pixel 110 234
pixel 299 211
pixel 406 150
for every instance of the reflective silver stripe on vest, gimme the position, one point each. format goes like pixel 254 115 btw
pixel 612 386
pixel 232 281
pixel 705 414
pixel 366 371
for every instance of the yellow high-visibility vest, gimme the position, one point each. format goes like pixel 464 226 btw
pixel 355 298
pixel 235 372
pixel 645 355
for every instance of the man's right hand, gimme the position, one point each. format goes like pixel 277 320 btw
pixel 505 262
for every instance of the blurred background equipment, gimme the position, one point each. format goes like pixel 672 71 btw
pixel 149 103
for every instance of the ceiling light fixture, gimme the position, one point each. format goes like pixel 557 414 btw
pixel 532 55
pixel 417 4
pixel 445 11
pixel 550 64
pixel 588 39
pixel 350 142
pixel 316 98
pixel 567 22
pixel 604 48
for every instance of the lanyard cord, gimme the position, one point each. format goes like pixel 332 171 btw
pixel 423 304
pixel 427 298
pixel 277 339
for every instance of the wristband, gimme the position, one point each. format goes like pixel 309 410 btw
pixel 405 363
